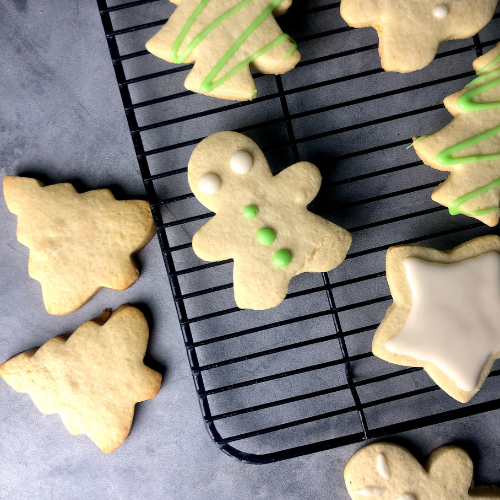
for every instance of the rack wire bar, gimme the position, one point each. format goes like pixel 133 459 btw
pixel 300 378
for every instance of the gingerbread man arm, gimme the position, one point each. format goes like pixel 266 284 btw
pixel 452 468
pixel 359 13
pixel 332 247
pixel 300 182
pixel 212 242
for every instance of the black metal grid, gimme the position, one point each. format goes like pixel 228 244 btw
pixel 280 398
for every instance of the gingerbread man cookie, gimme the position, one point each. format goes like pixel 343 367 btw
pixel 93 379
pixel 445 313
pixel 78 243
pixel 469 147
pixel 411 31
pixel 225 38
pixel 261 220
pixel 390 472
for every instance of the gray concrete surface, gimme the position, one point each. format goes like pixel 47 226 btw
pixel 61 119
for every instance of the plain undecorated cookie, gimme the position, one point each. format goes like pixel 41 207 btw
pixel 220 38
pixel 451 327
pixel 411 31
pixel 78 243
pixel 93 379
pixel 473 186
pixel 261 220
pixel 390 472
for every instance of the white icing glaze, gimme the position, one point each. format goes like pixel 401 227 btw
pixel 209 184
pixel 441 11
pixel 370 491
pixel 406 496
pixel 241 162
pixel 453 321
pixel 383 467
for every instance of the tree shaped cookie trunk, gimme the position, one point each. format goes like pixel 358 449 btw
pixel 469 147
pixel 225 38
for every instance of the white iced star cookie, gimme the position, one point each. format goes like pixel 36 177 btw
pixel 390 472
pixel 445 313
pixel 261 220
pixel 410 32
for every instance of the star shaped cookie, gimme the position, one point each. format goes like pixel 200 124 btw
pixel 390 472
pixel 410 31
pixel 78 243
pixel 445 313
pixel 93 379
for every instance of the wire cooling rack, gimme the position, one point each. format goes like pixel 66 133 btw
pixel 301 377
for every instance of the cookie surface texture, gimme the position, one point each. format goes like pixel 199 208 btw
pixel 443 314
pixel 390 472
pixel 410 31
pixel 93 379
pixel 225 38
pixel 261 220
pixel 78 243
pixel 469 146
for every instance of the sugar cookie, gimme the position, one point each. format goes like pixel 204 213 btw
pixel 78 243
pixel 469 147
pixel 226 38
pixel 447 475
pixel 261 220
pixel 410 32
pixel 93 379
pixel 445 313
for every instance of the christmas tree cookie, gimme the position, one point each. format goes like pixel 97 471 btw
pixel 411 31
pixel 390 472
pixel 261 220
pixel 225 38
pixel 78 243
pixel 93 379
pixel 469 147
pixel 444 317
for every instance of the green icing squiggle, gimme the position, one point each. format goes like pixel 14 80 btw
pixel 489 65
pixel 445 158
pixel 454 207
pixel 465 101
pixel 209 82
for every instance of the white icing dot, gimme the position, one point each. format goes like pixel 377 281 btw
pixel 370 491
pixel 241 162
pixel 441 11
pixel 406 496
pixel 383 467
pixel 209 184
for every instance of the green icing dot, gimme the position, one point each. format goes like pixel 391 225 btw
pixel 265 236
pixel 250 211
pixel 282 258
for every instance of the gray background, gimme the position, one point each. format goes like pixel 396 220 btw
pixel 61 119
